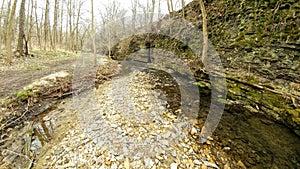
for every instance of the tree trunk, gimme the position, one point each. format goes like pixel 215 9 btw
pixel 29 34
pixel 152 11
pixel 159 10
pixel 172 7
pixel 93 33
pixel 67 31
pixel 9 32
pixel 134 8
pixel 6 23
pixel 61 24
pixel 77 26
pixel 1 16
pixel 205 33
pixel 26 52
pixel 46 25
pixel 38 30
pixel 54 29
pixel 169 7
pixel 182 5
pixel 20 47
pixel 28 17
pixel 70 25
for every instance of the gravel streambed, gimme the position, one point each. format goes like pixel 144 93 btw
pixel 125 124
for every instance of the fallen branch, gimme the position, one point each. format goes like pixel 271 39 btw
pixel 21 155
pixel 14 121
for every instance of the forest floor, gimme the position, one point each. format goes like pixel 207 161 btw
pixel 124 122
pixel 27 69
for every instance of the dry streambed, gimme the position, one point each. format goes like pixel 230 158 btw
pixel 123 124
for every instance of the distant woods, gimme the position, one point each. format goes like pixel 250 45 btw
pixel 45 25
pixel 68 25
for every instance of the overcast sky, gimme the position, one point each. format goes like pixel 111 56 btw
pixel 126 4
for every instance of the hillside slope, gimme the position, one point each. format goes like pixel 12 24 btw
pixel 260 37
pixel 258 43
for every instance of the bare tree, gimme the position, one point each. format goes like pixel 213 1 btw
pixel 54 29
pixel 46 25
pixel 134 13
pixel 83 35
pixel 67 27
pixel 30 23
pixel 20 47
pixel 205 33
pixel 80 3
pixel 152 11
pixel 6 22
pixel 61 23
pixel 1 16
pixel 159 10
pixel 148 12
pixel 38 26
pixel 112 23
pixel 182 5
pixel 9 32
pixel 170 6
pixel 71 8
pixel 93 32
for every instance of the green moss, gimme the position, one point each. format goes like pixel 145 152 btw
pixel 37 91
pixel 53 53
pixel 29 92
pixel 199 84
pixel 22 95
pixel 39 67
pixel 251 79
pixel 224 101
pixel 29 89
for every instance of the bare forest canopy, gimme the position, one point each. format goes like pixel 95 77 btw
pixel 69 24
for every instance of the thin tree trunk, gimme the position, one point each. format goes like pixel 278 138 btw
pixel 6 22
pixel 182 5
pixel 20 47
pixel 205 33
pixel 152 11
pixel 70 25
pixel 1 16
pixel 159 10
pixel 93 33
pixel 171 4
pixel 28 17
pixel 77 25
pixel 46 25
pixel 38 25
pixel 54 29
pixel 9 32
pixel 133 6
pixel 29 34
pixel 61 24
pixel 169 8
pixel 83 35
pixel 67 32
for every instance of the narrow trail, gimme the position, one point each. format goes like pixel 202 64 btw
pixel 12 81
